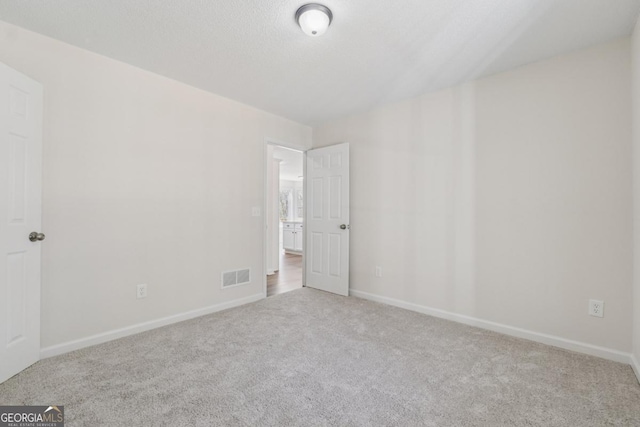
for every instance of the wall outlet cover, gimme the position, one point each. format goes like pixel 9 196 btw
pixel 378 271
pixel 141 291
pixel 596 308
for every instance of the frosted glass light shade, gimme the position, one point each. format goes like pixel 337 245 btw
pixel 314 19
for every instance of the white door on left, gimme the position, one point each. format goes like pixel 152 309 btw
pixel 20 215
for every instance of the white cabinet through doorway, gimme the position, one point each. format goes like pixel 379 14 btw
pixel 292 236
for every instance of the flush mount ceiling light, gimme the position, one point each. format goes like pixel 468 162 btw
pixel 314 19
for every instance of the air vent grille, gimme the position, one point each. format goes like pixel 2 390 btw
pixel 244 276
pixel 236 278
pixel 228 279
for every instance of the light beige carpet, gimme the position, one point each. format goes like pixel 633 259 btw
pixel 308 358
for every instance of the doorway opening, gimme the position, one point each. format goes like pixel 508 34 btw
pixel 284 219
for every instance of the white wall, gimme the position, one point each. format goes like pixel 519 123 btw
pixel 507 199
pixel 146 180
pixel 293 203
pixel 285 183
pixel 636 193
pixel 272 212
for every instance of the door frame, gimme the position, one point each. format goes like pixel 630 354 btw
pixel 298 147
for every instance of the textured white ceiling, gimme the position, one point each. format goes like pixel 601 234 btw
pixel 375 51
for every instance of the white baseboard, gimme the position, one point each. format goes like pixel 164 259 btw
pixel 580 347
pixel 66 347
pixel 636 366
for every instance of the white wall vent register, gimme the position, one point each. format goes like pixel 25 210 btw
pixel 235 278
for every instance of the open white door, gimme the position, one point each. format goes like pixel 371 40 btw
pixel 20 215
pixel 327 224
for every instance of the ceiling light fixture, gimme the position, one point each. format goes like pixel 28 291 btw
pixel 314 19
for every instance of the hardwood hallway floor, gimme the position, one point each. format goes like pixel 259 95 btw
pixel 288 278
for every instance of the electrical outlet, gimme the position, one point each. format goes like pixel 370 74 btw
pixel 596 308
pixel 378 271
pixel 141 291
pixel 256 211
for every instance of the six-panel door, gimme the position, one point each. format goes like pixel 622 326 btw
pixel 327 225
pixel 20 214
